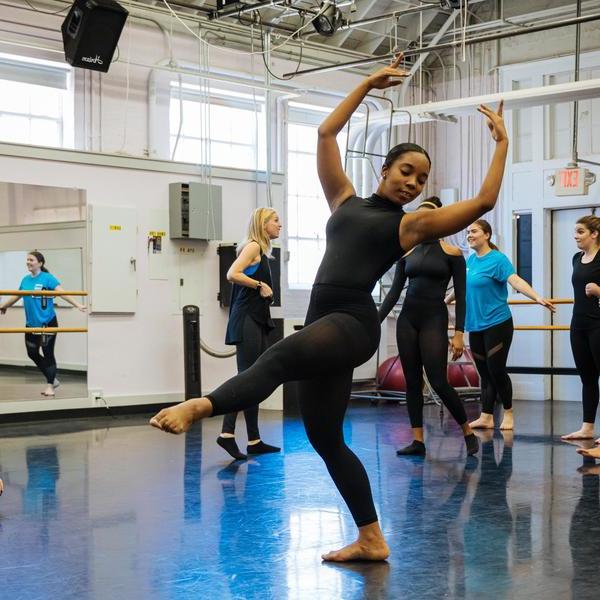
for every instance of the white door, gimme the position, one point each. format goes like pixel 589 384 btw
pixel 565 387
pixel 113 259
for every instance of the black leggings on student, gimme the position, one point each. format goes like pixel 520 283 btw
pixel 254 343
pixel 489 348
pixel 40 349
pixel 341 332
pixel 422 336
pixel 585 344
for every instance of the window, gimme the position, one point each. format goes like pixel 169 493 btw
pixel 307 209
pixel 36 102
pixel 234 123
pixel 523 246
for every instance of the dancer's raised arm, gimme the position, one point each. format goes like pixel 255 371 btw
pixel 335 182
pixel 426 225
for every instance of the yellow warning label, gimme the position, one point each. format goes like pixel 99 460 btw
pixel 157 234
pixel 114 227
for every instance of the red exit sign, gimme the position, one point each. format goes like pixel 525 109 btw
pixel 570 182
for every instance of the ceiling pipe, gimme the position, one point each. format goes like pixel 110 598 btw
pixel 238 10
pixel 449 45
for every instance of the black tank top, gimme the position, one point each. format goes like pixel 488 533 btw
pixel 586 311
pixel 362 243
pixel 429 269
pixel 247 301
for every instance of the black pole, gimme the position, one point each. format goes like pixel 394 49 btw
pixel 191 351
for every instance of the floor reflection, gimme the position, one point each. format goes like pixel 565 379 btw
pixel 115 509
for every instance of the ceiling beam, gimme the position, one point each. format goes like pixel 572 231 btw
pixel 480 39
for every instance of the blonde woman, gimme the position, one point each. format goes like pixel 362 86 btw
pixel 250 319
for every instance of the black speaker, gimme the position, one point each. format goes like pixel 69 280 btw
pixel 91 32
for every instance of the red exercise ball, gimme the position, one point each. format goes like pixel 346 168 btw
pixel 456 377
pixel 390 375
pixel 472 375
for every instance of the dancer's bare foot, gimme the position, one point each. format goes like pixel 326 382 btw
pixel 370 545
pixel 485 421
pixel 508 422
pixel 1 487
pixel 585 433
pixel 178 419
pixel 589 452
pixel 49 391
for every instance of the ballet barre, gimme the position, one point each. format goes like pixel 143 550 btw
pixel 42 293
pixel 43 330
pixel 553 300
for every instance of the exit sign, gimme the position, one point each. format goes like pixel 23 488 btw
pixel 570 182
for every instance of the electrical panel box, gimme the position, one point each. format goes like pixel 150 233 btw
pixel 227 254
pixel 195 211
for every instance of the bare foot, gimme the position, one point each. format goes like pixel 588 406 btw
pixel 1 487
pixel 508 420
pixel 178 419
pixel 485 421
pixel 370 545
pixel 585 433
pixel 589 452
pixel 49 391
pixel 359 551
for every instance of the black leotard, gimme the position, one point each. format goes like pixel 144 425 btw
pixel 341 332
pixel 585 333
pixel 429 269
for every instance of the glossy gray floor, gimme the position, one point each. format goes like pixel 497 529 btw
pixel 27 383
pixel 114 509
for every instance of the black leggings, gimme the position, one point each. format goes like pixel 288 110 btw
pixel 585 344
pixel 490 351
pixel 342 332
pixel 254 343
pixel 45 360
pixel 422 336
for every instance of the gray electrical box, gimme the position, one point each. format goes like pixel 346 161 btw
pixel 195 211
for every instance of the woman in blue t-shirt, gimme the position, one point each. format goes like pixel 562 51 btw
pixel 39 312
pixel 489 320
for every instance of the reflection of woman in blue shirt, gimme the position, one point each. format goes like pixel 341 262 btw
pixel 39 312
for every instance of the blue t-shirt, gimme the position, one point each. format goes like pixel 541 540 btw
pixel 39 310
pixel 487 293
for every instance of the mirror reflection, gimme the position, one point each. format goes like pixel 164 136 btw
pixel 42 253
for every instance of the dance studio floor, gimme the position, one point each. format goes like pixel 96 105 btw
pixel 112 509
pixel 27 383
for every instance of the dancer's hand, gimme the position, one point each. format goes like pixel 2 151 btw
pixel 457 345
pixel 265 291
pixel 592 289
pixel 388 76
pixel 495 121
pixel 547 304
pixel 82 308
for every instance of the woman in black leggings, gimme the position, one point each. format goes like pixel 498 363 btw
pixel 585 323
pixel 364 239
pixel 250 319
pixel 422 329
pixel 489 320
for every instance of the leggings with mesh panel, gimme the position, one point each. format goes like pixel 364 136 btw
pixel 489 348
pixel 422 336
pixel 342 331
pixel 40 349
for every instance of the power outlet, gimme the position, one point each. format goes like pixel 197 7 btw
pixel 97 396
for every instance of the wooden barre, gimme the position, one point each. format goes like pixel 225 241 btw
pixel 542 328
pixel 41 293
pixel 553 300
pixel 535 328
pixel 43 329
